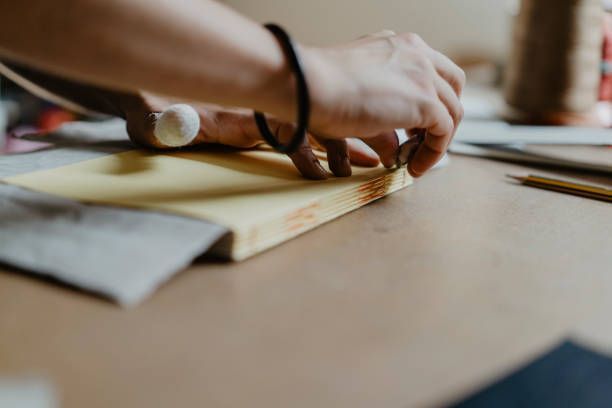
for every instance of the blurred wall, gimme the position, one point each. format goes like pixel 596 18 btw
pixel 478 27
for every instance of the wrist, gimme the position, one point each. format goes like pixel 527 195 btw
pixel 277 93
pixel 275 90
pixel 323 81
pixel 302 93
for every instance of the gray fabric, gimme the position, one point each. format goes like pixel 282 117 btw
pixel 122 254
pixel 119 253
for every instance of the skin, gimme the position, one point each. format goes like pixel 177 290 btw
pixel 218 125
pixel 205 53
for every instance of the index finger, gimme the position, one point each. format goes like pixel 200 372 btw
pixel 440 128
pixel 425 158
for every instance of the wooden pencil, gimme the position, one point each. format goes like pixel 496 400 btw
pixel 567 187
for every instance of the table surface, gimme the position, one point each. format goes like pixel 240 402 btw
pixel 415 300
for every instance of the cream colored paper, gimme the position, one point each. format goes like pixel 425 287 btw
pixel 257 194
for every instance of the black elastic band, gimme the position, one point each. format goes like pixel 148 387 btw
pixel 303 97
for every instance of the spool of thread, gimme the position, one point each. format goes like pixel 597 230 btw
pixel 605 92
pixel 555 62
pixel 3 125
pixel 177 126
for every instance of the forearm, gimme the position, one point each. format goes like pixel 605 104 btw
pixel 192 49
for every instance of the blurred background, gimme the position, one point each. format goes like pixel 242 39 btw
pixel 456 27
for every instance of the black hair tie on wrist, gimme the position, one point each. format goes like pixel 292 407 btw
pixel 303 97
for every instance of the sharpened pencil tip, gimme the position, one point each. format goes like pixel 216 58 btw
pixel 517 178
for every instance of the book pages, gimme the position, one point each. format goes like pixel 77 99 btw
pixel 257 194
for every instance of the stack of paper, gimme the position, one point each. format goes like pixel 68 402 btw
pixel 258 195
pixel 555 146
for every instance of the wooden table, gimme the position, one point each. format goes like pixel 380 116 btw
pixel 415 300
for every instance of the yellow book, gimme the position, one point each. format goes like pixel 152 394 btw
pixel 257 194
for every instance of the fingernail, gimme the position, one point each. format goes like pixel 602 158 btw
pixel 412 172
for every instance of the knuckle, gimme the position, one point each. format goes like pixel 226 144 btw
pixel 213 122
pixel 459 78
pixel 385 33
pixel 425 86
pixel 423 64
pixel 461 113
pixel 419 65
pixel 448 126
pixel 421 60
pixel 462 77
pixel 427 105
pixel 412 39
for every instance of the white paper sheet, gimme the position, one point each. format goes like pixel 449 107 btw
pixel 499 132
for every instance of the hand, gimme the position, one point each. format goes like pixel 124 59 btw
pixel 382 82
pixel 237 128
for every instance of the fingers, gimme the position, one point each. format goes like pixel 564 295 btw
pixel 140 124
pixel 177 126
pixel 146 116
pixel 361 154
pixel 337 156
pixel 450 99
pixel 153 122
pixel 238 129
pixel 425 158
pixel 342 153
pixel 440 129
pixel 229 127
pixel 307 163
pixel 441 117
pixel 416 88
pixel 358 153
pixel 385 145
pixel 438 122
pixel 235 128
pixel 303 158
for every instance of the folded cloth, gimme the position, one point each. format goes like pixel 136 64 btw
pixel 118 253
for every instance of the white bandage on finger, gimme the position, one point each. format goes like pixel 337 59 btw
pixel 177 126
